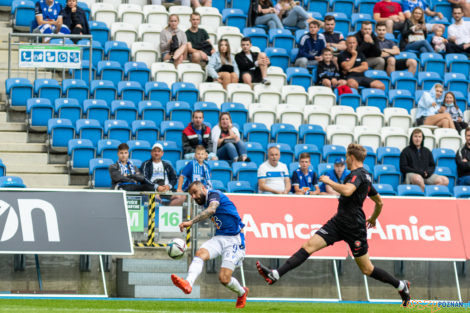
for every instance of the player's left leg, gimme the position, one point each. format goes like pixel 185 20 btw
pixel 195 269
pixel 226 279
pixel 403 286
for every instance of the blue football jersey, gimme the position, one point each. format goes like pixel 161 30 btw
pixel 226 218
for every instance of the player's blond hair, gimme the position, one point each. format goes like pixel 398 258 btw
pixel 358 151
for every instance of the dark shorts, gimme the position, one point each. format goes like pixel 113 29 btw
pixel 356 238
pixel 255 75
pixel 400 65
pixel 362 80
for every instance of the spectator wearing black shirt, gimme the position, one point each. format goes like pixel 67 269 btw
pixel 199 46
pixel 389 50
pixel 353 64
pixel 75 19
pixel 462 158
pixel 368 44
pixel 253 66
pixel 334 40
pixel 328 74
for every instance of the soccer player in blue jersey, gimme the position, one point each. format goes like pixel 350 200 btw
pixel 229 241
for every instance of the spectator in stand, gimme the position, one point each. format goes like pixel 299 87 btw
pixel 430 109
pixel 253 66
pixel 293 15
pixel 310 46
pixel 337 174
pixel 304 179
pixel 226 140
pixel 458 33
pixel 462 158
pixel 197 3
pixel 438 41
pixel 173 42
pixel 409 5
pixel 222 66
pixel 334 40
pixel 368 44
pixel 125 175
pixel 273 176
pixel 49 19
pixel 353 64
pixel 161 175
pixel 75 19
pixel 186 3
pixel 390 13
pixel 389 49
pixel 453 109
pixel 417 163
pixel 414 33
pixel 328 74
pixel 266 15
pixel 196 170
pixel 195 134
pixel 464 4
pixel 199 45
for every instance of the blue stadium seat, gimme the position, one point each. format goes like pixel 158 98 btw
pixel 243 5
pixel 84 72
pixel 219 4
pixel 427 79
pixel 239 187
pixel 68 108
pixel 237 111
pixel 137 71
pixel 23 14
pixel 117 129
pixel 80 152
pixel 246 171
pixel 461 100
pixel 110 70
pixel 410 191
pixel 96 109
pixel 365 6
pixel 124 110
pixel 11 181
pixel 47 88
pixel 256 132
pixel 445 171
pixel 346 6
pixel 312 134
pixel 258 37
pixel 385 189
pixel 145 130
pixel 389 156
pixel 371 158
pixel 139 150
pixel 157 91
pixel 446 158
pixel 3 169
pixel 456 82
pixel 433 62
pixel 75 88
pixel 462 191
pixel 131 91
pixel 220 170
pixel 331 152
pixel 404 80
pixel 152 111
pixel 179 111
pixel 18 91
pixel 445 8
pixel 61 41
pixel 299 76
pixel 181 91
pixel 117 51
pixel 324 167
pixel 104 90
pixel 379 75
pixel 284 133
pixel 218 185
pixel 84 7
pixel 172 151
pixel 256 152
pixel 99 172
pixel 401 98
pixel 281 38
pixel 437 191
pixel 60 131
pixel 97 54
pixel 374 97
pixel 99 32
pixel 108 148
pixel 89 129
pixel 234 17
pixel 320 6
pixel 350 99
pixel 287 155
pixel 137 163
pixel 299 33
pixel 278 57
pixel 39 111
pixel 387 174
pixel 358 18
pixel 211 111
pixel 315 155
pixel 172 130
pixel 180 164
pixel 458 63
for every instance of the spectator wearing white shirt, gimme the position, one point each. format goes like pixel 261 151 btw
pixel 273 176
pixel 458 33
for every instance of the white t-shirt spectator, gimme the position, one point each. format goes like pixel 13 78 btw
pixel 159 172
pixel 274 176
pixel 460 32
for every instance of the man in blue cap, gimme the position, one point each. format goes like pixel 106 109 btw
pixel 337 174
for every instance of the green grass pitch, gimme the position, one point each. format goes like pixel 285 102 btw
pixel 114 306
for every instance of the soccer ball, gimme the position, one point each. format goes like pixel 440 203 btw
pixel 176 248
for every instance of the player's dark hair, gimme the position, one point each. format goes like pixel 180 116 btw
pixel 304 155
pixel 246 39
pixel 366 23
pixel 381 24
pixel 198 111
pixel 199 148
pixel 314 22
pixel 416 131
pixel 330 18
pixel 123 146
pixel 358 151
pixel 196 14
pixel 326 50
pixel 194 184
pixel 456 7
pixel 467 130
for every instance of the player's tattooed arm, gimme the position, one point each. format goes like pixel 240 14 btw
pixel 206 213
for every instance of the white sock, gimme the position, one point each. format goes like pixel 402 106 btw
pixel 401 286
pixel 276 274
pixel 235 286
pixel 194 270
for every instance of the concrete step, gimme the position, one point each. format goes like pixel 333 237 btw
pixel 22 147
pixel 153 266
pixel 37 169
pixel 164 292
pixel 149 279
pixel 43 180
pixel 12 127
pixel 14 137
pixel 27 159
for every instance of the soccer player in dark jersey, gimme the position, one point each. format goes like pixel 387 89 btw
pixel 349 224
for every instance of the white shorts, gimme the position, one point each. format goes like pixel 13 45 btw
pixel 230 247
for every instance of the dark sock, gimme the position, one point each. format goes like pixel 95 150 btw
pixel 295 260
pixel 384 277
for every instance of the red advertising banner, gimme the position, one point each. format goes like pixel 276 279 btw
pixel 408 228
pixel 463 207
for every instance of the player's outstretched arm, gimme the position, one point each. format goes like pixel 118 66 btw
pixel 201 216
pixel 343 189
pixel 378 208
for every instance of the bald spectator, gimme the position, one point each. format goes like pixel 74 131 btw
pixel 390 13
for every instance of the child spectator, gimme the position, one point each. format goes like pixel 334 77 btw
pixel 304 179
pixel 327 72
pixel 310 46
pixel 438 41
pixel 196 170
pixel 453 109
